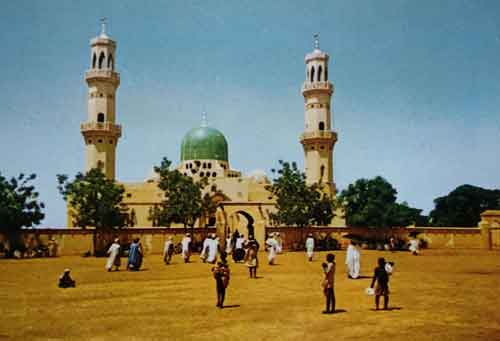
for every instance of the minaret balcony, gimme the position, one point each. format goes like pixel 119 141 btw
pixel 318 136
pixel 317 86
pixel 101 128
pixel 102 75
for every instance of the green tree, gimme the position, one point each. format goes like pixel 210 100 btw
pixel 183 201
pixel 19 208
pixel 372 203
pixel 95 201
pixel 297 203
pixel 463 206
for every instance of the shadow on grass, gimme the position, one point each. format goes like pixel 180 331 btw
pixel 340 311
pixel 388 309
pixel 231 306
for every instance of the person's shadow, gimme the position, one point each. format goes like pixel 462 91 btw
pixel 231 306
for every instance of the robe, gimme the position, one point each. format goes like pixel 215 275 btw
pixel 168 250
pixel 229 246
pixel 272 246
pixel 414 246
pixel 114 256
pixel 185 247
pixel 204 250
pixel 310 246
pixel 134 256
pixel 213 246
pixel 353 261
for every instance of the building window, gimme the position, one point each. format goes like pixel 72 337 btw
pixel 322 171
pixel 204 165
pixel 322 147
pixel 202 174
pixel 320 71
pixel 101 59
pixel 326 73
pixel 100 164
pixel 321 125
pixel 129 195
pixel 110 141
pixel 312 74
pixel 100 141
pixel 197 163
pixel 214 174
pixel 209 165
pixel 110 62
pixel 94 60
pixel 312 148
pixel 100 95
pixel 100 117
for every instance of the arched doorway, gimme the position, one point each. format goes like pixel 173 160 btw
pixel 242 222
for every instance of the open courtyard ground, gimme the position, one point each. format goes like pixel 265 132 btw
pixel 442 295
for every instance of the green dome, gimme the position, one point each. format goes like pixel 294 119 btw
pixel 204 143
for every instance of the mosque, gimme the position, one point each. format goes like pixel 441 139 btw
pixel 243 202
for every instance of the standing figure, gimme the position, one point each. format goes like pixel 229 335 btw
pixel 213 248
pixel 65 280
pixel 221 275
pixel 114 256
pixel 52 246
pixel 168 250
pixel 135 255
pixel 414 246
pixel 229 245
pixel 310 246
pixel 279 242
pixel 381 276
pixel 272 248
pixel 204 249
pixel 186 247
pixel 252 261
pixel 329 283
pixel 239 252
pixel 352 260
pixel 392 244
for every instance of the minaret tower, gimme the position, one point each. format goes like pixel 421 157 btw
pixel 318 138
pixel 100 132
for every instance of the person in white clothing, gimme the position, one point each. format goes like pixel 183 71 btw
pixel 352 261
pixel 414 246
pixel 229 245
pixel 114 256
pixel 204 250
pixel 279 242
pixel 168 250
pixel 272 247
pixel 239 252
pixel 310 246
pixel 213 247
pixel 186 247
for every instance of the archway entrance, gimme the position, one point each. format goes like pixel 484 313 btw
pixel 249 222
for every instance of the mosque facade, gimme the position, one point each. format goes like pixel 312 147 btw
pixel 243 202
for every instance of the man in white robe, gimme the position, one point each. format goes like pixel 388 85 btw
pixel 352 261
pixel 204 249
pixel 168 250
pixel 414 246
pixel 310 247
pixel 272 247
pixel 114 256
pixel 186 245
pixel 279 243
pixel 229 245
pixel 213 247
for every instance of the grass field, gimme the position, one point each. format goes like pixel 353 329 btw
pixel 442 295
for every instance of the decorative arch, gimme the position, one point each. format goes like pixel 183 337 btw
pixel 312 74
pixel 102 57
pixel 320 71
pixel 250 222
pixel 94 60
pixel 321 125
pixel 101 117
pixel 111 62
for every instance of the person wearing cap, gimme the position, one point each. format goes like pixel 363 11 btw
pixel 65 280
pixel 114 256
pixel 135 255
pixel 310 246
pixel 251 259
pixel 204 249
pixel 272 248
pixel 213 247
pixel 168 250
pixel 186 247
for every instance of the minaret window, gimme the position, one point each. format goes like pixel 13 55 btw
pixel 321 126
pixel 100 117
pixel 110 62
pixel 312 74
pixel 326 73
pixel 320 71
pixel 101 59
pixel 94 60
pixel 322 171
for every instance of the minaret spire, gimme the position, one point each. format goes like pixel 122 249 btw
pixel 316 41
pixel 104 22
pixel 204 121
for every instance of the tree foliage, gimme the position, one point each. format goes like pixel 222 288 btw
pixel 19 206
pixel 297 203
pixel 95 200
pixel 183 201
pixel 372 203
pixel 463 206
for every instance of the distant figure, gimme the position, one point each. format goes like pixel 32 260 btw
pixel 52 246
pixel 279 242
pixel 204 249
pixel 186 247
pixel 239 252
pixel 251 259
pixel 414 246
pixel 221 275
pixel 352 261
pixel 65 280
pixel 135 254
pixel 272 248
pixel 168 250
pixel 381 277
pixel 114 256
pixel 392 244
pixel 310 246
pixel 229 245
pixel 213 248
pixel 329 283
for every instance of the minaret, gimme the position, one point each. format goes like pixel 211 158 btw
pixel 318 138
pixel 100 132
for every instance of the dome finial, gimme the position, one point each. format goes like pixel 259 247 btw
pixel 316 41
pixel 103 21
pixel 204 122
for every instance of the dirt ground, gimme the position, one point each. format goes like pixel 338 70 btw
pixel 441 294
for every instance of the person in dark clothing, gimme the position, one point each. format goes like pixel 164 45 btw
pixel 221 274
pixel 381 276
pixel 329 283
pixel 65 280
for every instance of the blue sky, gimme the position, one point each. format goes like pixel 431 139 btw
pixel 417 87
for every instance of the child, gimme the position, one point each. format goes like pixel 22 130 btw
pixel 221 274
pixel 382 289
pixel 328 283
pixel 65 280
pixel 251 258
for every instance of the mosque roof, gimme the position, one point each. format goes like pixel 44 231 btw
pixel 204 143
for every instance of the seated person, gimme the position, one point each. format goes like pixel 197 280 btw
pixel 65 280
